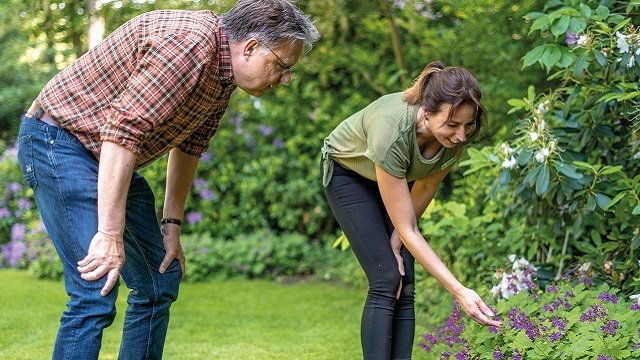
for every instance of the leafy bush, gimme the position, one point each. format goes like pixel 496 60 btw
pixel 570 319
pixel 572 170
pixel 258 255
pixel 24 242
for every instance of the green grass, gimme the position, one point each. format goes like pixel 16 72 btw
pixel 218 320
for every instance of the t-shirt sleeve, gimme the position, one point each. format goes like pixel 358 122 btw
pixel 387 148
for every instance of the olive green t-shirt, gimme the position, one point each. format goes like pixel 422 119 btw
pixel 383 133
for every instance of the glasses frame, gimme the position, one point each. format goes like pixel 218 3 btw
pixel 287 68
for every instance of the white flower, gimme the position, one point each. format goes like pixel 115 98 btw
pixel 584 267
pixel 512 257
pixel 533 136
pixel 542 155
pixel 622 43
pixel 635 297
pixel 506 149
pixel 582 40
pixel 509 163
pixel 632 61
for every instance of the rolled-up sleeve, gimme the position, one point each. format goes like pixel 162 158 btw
pixel 166 72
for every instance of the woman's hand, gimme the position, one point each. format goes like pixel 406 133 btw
pixel 396 246
pixel 105 257
pixel 476 309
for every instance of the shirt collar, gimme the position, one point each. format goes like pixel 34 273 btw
pixel 224 58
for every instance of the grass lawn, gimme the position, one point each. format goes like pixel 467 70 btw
pixel 218 320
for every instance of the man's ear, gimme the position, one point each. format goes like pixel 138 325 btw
pixel 250 48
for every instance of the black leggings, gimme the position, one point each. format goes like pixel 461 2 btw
pixel 388 325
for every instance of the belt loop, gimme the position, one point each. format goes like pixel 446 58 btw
pixel 37 114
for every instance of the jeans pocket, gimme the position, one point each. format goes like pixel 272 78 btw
pixel 25 158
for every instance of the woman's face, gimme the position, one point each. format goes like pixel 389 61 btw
pixel 450 133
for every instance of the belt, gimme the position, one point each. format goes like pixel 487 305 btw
pixel 35 109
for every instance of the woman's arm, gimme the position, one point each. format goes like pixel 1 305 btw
pixel 402 207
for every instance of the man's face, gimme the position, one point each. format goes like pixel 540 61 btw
pixel 260 68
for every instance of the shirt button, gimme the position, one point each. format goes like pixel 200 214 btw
pixel 51 142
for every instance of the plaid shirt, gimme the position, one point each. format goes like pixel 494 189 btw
pixel 161 80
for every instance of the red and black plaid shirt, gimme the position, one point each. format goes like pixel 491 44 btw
pixel 161 80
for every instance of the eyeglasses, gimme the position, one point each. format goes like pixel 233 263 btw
pixel 286 67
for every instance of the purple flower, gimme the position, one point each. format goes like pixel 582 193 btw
pixel 4 213
pixel 559 323
pixel 608 297
pixel 194 217
pixel 604 357
pixel 594 313
pixel 585 280
pixel 18 231
pixel 278 143
pixel 555 336
pixel 551 289
pixel 14 187
pixel 206 157
pixel 635 306
pixel 497 354
pixel 516 355
pixel 610 327
pixel 199 183
pixel 571 38
pixel 13 251
pixel 24 204
pixel 207 194
pixel 265 130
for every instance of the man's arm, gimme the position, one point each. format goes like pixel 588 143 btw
pixel 106 251
pixel 181 169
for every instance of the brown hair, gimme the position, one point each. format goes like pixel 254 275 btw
pixel 438 86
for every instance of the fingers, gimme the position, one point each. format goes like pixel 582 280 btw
pixel 167 261
pixel 399 290
pixel 182 266
pixel 112 279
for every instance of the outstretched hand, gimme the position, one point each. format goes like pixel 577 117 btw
pixel 105 257
pixel 476 309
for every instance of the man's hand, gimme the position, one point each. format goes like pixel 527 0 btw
pixel 172 247
pixel 105 257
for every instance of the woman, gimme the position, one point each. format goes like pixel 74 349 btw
pixel 381 168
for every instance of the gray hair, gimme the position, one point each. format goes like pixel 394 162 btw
pixel 271 22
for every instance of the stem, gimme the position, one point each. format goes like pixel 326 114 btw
pixel 395 40
pixel 564 252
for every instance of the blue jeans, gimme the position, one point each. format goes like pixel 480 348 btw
pixel 64 179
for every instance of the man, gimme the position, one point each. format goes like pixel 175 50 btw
pixel 160 83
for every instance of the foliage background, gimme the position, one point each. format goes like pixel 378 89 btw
pixel 257 195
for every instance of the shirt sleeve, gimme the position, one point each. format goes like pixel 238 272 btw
pixel 387 148
pixel 168 69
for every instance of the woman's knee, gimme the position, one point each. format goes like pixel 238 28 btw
pixel 386 283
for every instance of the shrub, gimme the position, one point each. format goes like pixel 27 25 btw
pixel 258 255
pixel 571 171
pixel 570 319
